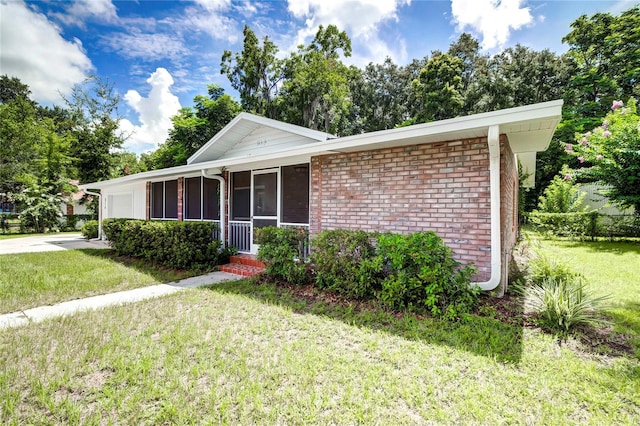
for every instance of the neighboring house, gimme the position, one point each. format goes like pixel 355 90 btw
pixel 596 200
pixel 457 177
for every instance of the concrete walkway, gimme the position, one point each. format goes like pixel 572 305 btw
pixel 49 242
pixel 42 313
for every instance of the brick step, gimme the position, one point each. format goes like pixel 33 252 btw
pixel 246 259
pixel 241 269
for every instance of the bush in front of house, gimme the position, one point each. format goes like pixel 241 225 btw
pixel 345 261
pixel 183 245
pixel 421 273
pixel 283 250
pixel 405 272
pixel 89 229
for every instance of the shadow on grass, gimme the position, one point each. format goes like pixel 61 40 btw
pixel 481 335
pixel 159 273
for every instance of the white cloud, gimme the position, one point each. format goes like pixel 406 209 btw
pixel 81 10
pixel 361 19
pixel 147 46
pixel 493 19
pixel 211 18
pixel 154 113
pixel 32 49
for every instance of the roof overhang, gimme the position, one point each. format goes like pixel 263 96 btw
pixel 242 126
pixel 529 129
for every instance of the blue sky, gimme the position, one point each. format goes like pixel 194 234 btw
pixel 160 54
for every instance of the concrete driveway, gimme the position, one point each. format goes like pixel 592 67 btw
pixel 52 242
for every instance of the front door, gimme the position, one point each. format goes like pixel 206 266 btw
pixel 264 201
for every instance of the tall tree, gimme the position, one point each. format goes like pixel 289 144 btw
pixel 437 92
pixel 94 111
pixel 255 72
pixel 606 51
pixel 315 93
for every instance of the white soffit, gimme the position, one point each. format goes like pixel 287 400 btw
pixel 527 162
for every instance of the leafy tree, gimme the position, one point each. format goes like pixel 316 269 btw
pixel 611 154
pixel 40 206
pixel 94 114
pixel 126 163
pixel 12 88
pixel 605 49
pixel 562 195
pixel 315 93
pixel 438 89
pixel 256 73
pixel 18 135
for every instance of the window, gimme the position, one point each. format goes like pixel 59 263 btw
pixel 164 200
pixel 201 198
pixel 295 194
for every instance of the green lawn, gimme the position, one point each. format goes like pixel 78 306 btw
pixel 28 280
pixel 241 353
pixel 611 268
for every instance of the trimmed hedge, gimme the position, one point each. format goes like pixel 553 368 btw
pixel 414 272
pixel 587 224
pixel 90 229
pixel 184 245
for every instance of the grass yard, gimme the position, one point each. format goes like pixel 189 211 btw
pixel 28 280
pixel 241 353
pixel 611 268
pixel 232 354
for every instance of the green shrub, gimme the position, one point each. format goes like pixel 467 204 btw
pixel 283 250
pixel 574 224
pixel 420 273
pixel 345 261
pixel 174 244
pixel 559 305
pixel 90 229
pixel 544 267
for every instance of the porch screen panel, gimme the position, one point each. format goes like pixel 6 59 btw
pixel 265 195
pixel 157 200
pixel 295 194
pixel 241 195
pixel 211 199
pixel 192 197
pixel 171 199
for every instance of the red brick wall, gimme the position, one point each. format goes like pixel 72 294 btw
pixel 508 204
pixel 180 197
pixel 443 187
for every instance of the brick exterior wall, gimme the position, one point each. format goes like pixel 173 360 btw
pixel 442 187
pixel 180 197
pixel 508 206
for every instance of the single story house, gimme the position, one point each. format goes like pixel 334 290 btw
pixel 457 177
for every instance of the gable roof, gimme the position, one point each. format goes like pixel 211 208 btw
pixel 245 131
pixel 529 130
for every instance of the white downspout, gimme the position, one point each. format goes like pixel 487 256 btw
pixel 100 233
pixel 222 200
pixel 493 140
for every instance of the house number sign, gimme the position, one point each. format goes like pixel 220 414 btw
pixel 261 142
